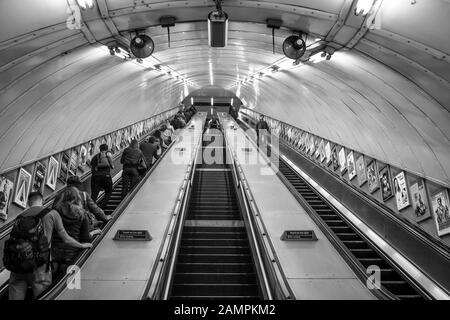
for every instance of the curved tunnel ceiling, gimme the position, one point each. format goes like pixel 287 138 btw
pixel 386 92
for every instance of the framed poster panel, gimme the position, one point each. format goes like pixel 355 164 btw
pixel 73 164
pixel 351 165
pixel 64 170
pixel 22 188
pixel 420 201
pixel 385 183
pixel 6 191
pixel 342 160
pixel 83 156
pixel 361 170
pixel 316 148
pixel 440 203
pixel 311 145
pixel 90 152
pixel 109 141
pixel 401 190
pixel 52 173
pixel 328 152
pixel 118 140
pixel 372 176
pixel 40 171
pixel 334 158
pixel 322 150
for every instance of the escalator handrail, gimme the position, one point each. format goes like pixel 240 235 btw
pixel 256 223
pixel 163 271
pixel 57 288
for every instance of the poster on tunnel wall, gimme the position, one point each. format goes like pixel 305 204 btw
pixel 419 200
pixel 73 165
pixel 22 188
pixel 64 171
pixel 39 177
pixel 385 183
pixel 317 148
pixel 342 160
pixel 401 191
pixel 52 173
pixel 334 158
pixel 351 165
pixel 322 150
pixel 328 152
pixel 372 176
pixel 6 190
pixel 361 170
pixel 440 203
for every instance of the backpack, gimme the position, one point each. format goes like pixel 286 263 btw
pixel 101 162
pixel 27 247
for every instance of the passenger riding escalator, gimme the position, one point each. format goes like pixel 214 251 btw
pixel 215 260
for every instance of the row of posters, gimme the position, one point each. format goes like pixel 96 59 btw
pixel 414 194
pixel 71 162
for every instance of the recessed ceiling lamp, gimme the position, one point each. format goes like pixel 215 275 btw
pixel 85 4
pixel 363 7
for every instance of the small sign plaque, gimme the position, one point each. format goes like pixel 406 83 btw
pixel 299 235
pixel 132 235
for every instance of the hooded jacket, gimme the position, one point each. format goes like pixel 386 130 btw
pixel 76 223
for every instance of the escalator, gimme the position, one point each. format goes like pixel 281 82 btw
pixel 215 259
pixel 362 251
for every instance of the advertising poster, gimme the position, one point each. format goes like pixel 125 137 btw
pixel 306 143
pixel 83 156
pixel 372 176
pixel 39 177
pixel 342 160
pixel 317 148
pixel 439 202
pixel 351 165
pixel 385 183
pixel 65 160
pixel 118 140
pixel 90 152
pixel 322 150
pixel 6 190
pixel 334 158
pixel 22 188
pixel 52 173
pixel 401 191
pixel 109 141
pixel 361 170
pixel 328 152
pixel 311 145
pixel 419 201
pixel 73 165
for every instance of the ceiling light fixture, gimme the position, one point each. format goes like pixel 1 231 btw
pixel 363 7
pixel 85 4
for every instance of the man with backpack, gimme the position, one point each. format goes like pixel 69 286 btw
pixel 101 174
pixel 27 251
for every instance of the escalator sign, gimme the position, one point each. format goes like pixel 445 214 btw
pixel 132 235
pixel 299 235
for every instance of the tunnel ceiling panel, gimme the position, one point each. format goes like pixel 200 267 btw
pixel 389 81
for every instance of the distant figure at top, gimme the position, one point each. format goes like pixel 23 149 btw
pixel 132 159
pixel 262 129
pixel 102 164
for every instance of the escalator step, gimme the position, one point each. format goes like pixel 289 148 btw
pixel 215 249
pixel 215 235
pixel 364 253
pixel 217 278
pixel 214 258
pixel 214 242
pixel 215 267
pixel 219 289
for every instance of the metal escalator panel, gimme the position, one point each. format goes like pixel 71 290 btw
pixel 361 250
pixel 214 260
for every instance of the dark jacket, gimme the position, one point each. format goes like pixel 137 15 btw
pixel 149 150
pixel 262 125
pixel 88 204
pixel 131 157
pixel 76 224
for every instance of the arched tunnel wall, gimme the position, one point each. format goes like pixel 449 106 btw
pixel 363 105
pixel 49 106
